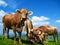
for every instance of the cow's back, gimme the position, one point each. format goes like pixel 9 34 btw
pixel 43 29
pixel 11 20
pixel 48 29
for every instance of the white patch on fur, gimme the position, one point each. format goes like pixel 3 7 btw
pixel 32 30
pixel 29 30
pixel 39 32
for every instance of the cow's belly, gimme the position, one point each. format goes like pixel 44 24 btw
pixel 51 33
pixel 9 27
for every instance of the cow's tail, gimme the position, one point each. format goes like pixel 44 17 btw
pixel 3 19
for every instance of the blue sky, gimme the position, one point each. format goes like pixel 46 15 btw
pixel 45 12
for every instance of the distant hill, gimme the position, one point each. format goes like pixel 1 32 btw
pixel 58 33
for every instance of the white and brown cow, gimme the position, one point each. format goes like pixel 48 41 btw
pixel 33 34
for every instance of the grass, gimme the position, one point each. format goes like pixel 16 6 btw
pixel 24 42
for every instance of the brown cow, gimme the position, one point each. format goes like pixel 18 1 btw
pixel 38 35
pixel 28 26
pixel 32 32
pixel 50 31
pixel 15 22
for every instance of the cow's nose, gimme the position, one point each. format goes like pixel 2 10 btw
pixel 24 19
pixel 23 16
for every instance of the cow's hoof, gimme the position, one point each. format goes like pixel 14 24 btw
pixel 14 42
pixel 32 41
pixel 20 42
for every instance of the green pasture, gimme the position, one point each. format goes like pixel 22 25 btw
pixel 25 42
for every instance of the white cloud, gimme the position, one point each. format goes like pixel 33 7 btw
pixel 41 18
pixel 38 21
pixel 57 21
pixel 12 12
pixel 2 13
pixel 44 18
pixel 3 3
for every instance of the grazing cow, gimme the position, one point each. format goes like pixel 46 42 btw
pixel 50 31
pixel 38 35
pixel 15 22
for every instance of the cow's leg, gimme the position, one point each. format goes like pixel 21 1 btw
pixel 54 37
pixel 7 32
pixel 19 37
pixel 4 32
pixel 27 33
pixel 46 36
pixel 14 30
pixel 14 36
pixel 57 36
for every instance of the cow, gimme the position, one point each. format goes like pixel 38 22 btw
pixel 14 22
pixel 28 27
pixel 48 30
pixel 32 33
pixel 38 35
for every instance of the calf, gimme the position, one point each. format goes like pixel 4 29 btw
pixel 37 35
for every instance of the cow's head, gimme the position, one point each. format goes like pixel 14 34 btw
pixel 39 35
pixel 25 13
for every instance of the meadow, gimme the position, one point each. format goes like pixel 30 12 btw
pixel 25 42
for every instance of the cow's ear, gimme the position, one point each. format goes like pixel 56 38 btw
pixel 30 13
pixel 18 11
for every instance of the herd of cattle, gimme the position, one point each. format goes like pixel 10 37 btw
pixel 20 20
